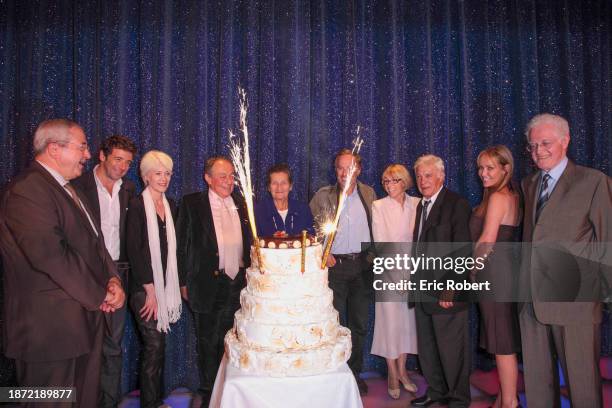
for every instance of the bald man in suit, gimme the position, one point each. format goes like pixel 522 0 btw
pixel 565 269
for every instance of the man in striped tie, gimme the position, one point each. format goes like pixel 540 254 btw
pixel 566 268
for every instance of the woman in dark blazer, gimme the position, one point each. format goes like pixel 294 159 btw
pixel 279 213
pixel 155 284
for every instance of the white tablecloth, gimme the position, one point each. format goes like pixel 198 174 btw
pixel 234 388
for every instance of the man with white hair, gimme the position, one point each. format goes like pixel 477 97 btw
pixel 441 230
pixel 58 276
pixel 566 268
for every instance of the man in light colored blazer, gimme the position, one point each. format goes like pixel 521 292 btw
pixel 565 269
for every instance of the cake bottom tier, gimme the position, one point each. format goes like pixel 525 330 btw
pixel 289 363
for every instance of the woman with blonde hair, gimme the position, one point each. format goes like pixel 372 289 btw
pixel 494 223
pixel 393 220
pixel 155 283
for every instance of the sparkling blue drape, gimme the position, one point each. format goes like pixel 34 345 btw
pixel 447 77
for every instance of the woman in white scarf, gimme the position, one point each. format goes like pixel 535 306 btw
pixel 155 284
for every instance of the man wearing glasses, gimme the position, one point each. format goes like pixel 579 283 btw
pixel 566 268
pixel 59 277
pixel 349 273
pixel 108 195
pixel 213 250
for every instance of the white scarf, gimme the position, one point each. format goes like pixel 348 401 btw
pixel 168 297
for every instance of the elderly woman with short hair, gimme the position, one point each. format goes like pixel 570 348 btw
pixel 277 213
pixel 393 220
pixel 155 283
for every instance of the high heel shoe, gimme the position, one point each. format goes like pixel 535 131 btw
pixel 393 392
pixel 408 385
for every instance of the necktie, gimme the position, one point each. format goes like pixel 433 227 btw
pixel 423 216
pixel 543 198
pixel 77 201
pixel 231 243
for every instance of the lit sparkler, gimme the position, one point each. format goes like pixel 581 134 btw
pixel 239 153
pixel 329 228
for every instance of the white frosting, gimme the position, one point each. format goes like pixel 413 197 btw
pixel 287 325
pixel 289 363
pixel 286 311
pixel 277 336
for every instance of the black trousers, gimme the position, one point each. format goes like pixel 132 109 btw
pixel 82 373
pixel 152 355
pixel 444 355
pixel 211 328
pixel 352 297
pixel 112 361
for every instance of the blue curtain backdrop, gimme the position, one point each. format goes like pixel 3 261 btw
pixel 446 77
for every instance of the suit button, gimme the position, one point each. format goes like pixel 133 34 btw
pixel 216 254
pixel 216 273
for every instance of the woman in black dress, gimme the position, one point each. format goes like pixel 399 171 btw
pixel 155 284
pixel 494 223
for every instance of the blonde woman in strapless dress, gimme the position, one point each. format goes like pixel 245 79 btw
pixel 494 223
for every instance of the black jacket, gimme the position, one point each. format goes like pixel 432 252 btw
pixel 86 183
pixel 197 248
pixel 138 251
pixel 446 234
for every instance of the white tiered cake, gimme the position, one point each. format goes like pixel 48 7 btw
pixel 287 325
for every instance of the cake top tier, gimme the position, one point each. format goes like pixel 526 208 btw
pixel 284 241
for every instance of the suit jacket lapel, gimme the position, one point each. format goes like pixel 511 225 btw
pixel 206 218
pixel 560 189
pixel 91 191
pixel 417 223
pixel 530 197
pixel 124 197
pixel 434 212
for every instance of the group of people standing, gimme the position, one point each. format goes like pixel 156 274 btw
pixel 71 241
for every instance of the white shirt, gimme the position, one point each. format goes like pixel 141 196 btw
pixel 283 214
pixel 216 205
pixel 431 200
pixel 110 213
pixel 62 182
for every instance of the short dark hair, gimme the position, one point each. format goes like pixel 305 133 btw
pixel 117 142
pixel 346 151
pixel 210 162
pixel 279 168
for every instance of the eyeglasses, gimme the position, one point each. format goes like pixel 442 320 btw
pixel 533 147
pixel 80 146
pixel 391 181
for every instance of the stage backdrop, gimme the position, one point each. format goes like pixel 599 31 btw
pixel 445 77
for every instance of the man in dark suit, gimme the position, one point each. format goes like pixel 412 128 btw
pixel 213 251
pixel 58 276
pixel 108 195
pixel 441 231
pixel 566 268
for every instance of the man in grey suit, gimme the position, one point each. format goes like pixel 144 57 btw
pixel 565 268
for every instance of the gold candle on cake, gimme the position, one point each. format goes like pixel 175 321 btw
pixel 239 153
pixel 304 237
pixel 330 228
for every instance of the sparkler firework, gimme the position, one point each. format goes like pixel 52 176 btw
pixel 330 227
pixel 239 153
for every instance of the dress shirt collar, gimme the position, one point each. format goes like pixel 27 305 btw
pixel 58 177
pixel 556 172
pixel 431 199
pixel 116 186
pixel 217 202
